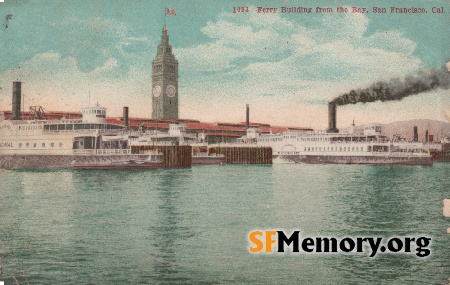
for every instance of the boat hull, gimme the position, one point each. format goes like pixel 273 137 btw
pixel 76 161
pixel 346 159
pixel 120 166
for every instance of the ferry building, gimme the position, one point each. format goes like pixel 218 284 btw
pixel 165 107
pixel 165 81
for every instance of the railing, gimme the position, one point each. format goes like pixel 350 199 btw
pixel 400 154
pixel 113 151
pixel 84 151
pixel 101 151
pixel 354 153
pixel 84 131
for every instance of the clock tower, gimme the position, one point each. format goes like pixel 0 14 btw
pixel 165 81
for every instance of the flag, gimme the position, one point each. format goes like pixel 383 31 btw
pixel 170 11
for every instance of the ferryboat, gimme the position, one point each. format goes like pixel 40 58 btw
pixel 369 147
pixel 154 160
pixel 177 135
pixel 89 142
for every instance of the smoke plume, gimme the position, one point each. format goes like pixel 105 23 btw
pixel 397 89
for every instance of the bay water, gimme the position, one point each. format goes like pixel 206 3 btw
pixel 191 226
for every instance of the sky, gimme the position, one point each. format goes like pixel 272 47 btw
pixel 286 66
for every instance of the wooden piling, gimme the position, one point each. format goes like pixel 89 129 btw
pixel 440 155
pixel 244 155
pixel 174 155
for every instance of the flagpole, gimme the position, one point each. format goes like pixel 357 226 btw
pixel 165 10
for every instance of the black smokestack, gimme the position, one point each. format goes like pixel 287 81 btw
pixel 416 134
pixel 125 116
pixel 247 117
pixel 16 100
pixel 397 89
pixel 332 118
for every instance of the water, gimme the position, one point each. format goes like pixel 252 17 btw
pixel 190 226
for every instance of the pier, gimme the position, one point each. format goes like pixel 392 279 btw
pixel 181 155
pixel 244 155
pixel 442 155
pixel 174 155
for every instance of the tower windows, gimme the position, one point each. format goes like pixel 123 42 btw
pixel 165 68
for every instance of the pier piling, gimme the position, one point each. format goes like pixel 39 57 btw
pixel 443 154
pixel 174 155
pixel 244 155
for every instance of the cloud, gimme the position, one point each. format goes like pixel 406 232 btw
pixel 91 41
pixel 109 65
pixel 285 70
pixel 268 54
pixel 301 66
pixel 68 60
pixel 238 36
pixel 58 83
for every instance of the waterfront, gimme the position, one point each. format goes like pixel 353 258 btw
pixel 190 226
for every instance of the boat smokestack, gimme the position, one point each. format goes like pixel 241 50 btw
pixel 16 100
pixel 416 134
pixel 332 118
pixel 125 116
pixel 247 120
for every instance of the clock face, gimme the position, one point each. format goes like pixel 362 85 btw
pixel 171 91
pixel 157 91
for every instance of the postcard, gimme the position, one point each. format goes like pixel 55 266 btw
pixel 224 142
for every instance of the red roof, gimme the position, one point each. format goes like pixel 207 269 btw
pixel 256 124
pixel 214 127
pixel 230 124
pixel 113 121
pixel 280 129
pixel 273 129
pixel 155 125
pixel 219 127
pixel 222 135
pixel 161 120
pixel 299 129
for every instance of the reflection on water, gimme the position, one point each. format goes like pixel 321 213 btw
pixel 168 231
pixel 190 226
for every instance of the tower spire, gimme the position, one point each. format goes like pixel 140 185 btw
pixel 165 80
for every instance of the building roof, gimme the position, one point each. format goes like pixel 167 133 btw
pixel 222 135
pixel 252 124
pixel 216 128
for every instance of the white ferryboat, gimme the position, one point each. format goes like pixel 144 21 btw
pixel 370 147
pixel 87 143
pixel 177 135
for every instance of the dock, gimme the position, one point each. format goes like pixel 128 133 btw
pixel 244 154
pixel 442 155
pixel 181 155
pixel 175 156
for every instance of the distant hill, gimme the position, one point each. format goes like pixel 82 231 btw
pixel 436 128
